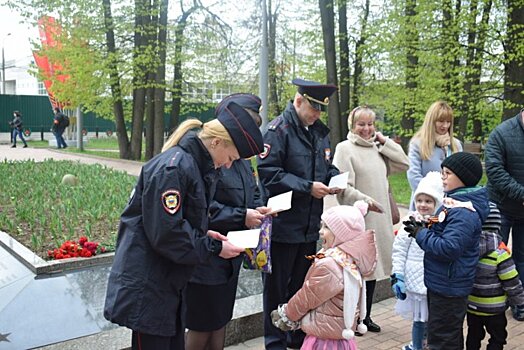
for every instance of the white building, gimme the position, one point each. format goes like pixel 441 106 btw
pixel 18 80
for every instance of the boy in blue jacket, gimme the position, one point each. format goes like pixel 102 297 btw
pixel 451 246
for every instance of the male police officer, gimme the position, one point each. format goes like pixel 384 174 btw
pixel 297 157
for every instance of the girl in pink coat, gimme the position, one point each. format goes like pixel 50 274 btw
pixel 333 295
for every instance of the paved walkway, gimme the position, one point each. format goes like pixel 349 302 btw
pixel 395 331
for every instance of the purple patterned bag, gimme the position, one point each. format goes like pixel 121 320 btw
pixel 259 258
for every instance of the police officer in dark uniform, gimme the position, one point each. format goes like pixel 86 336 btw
pixel 237 205
pixel 163 231
pixel 297 156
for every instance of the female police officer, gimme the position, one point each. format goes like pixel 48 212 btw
pixel 237 205
pixel 162 233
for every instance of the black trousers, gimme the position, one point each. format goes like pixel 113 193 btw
pixel 446 321
pixel 289 268
pixel 494 325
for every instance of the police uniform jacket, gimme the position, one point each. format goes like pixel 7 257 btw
pixel 162 236
pixel 293 158
pixel 236 190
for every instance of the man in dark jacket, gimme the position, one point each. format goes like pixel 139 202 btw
pixel 59 128
pixel 17 126
pixel 296 157
pixel 504 157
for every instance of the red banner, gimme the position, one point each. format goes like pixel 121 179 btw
pixel 50 31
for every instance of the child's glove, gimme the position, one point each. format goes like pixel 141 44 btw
pixel 397 285
pixel 280 320
pixel 412 226
pixel 518 312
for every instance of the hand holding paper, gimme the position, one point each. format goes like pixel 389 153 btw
pixel 245 238
pixel 280 202
pixel 339 182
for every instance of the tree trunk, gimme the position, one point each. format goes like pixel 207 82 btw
pixel 160 86
pixel 344 65
pixel 357 70
pixel 469 98
pixel 412 45
pixel 450 57
pixel 116 91
pixel 139 77
pixel 176 91
pixel 476 43
pixel 274 106
pixel 327 17
pixel 514 61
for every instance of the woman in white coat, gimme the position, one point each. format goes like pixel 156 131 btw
pixel 370 157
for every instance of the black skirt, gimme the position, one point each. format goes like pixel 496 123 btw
pixel 210 307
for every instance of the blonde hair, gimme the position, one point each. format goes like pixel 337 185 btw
pixel 358 112
pixel 438 111
pixel 211 129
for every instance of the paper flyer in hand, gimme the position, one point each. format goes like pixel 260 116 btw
pixel 280 202
pixel 245 238
pixel 339 182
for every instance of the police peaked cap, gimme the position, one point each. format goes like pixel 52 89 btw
pixel 315 92
pixel 242 128
pixel 246 100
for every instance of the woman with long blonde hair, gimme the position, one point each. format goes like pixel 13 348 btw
pixel 431 144
pixel 163 232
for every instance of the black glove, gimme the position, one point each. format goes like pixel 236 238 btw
pixel 412 226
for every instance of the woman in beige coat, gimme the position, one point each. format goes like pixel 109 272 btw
pixel 370 157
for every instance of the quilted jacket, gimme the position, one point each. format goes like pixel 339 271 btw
pixel 504 158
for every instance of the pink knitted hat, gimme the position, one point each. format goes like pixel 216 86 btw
pixel 346 222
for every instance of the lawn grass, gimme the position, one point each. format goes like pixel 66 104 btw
pixel 41 213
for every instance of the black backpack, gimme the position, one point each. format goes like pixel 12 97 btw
pixel 65 120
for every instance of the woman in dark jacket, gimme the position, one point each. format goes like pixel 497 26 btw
pixel 232 209
pixel 163 231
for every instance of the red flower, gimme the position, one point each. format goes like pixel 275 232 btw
pixel 72 249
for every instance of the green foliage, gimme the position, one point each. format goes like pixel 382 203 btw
pixel 41 213
pixel 400 188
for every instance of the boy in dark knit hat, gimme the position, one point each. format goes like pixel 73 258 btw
pixel 451 246
pixel 497 284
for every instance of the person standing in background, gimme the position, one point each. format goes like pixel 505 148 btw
pixel 369 157
pixel 296 157
pixel 58 128
pixel 431 144
pixel 504 158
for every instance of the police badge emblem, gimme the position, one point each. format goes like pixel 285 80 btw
pixel 171 201
pixel 267 149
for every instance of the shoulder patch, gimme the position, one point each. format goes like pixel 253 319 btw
pixel 274 124
pixel 265 152
pixel 171 201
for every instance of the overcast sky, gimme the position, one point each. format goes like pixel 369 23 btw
pixel 17 44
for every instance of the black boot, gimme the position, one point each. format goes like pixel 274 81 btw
pixel 372 326
pixel 13 146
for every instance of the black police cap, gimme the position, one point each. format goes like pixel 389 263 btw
pixel 243 130
pixel 317 94
pixel 246 100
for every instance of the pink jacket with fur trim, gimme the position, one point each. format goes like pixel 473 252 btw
pixel 319 303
